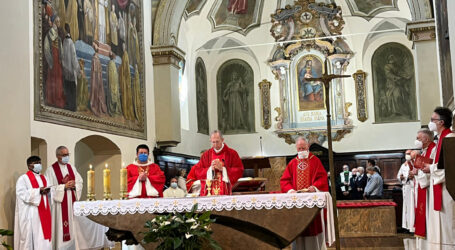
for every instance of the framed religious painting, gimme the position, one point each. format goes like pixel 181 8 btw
pixel 89 65
pixel 310 93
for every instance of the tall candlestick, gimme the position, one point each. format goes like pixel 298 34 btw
pixel 107 182
pixel 91 184
pixel 123 182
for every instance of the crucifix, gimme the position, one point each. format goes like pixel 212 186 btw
pixel 326 79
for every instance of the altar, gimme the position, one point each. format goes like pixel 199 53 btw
pixel 257 221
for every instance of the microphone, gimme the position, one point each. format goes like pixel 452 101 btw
pixel 260 143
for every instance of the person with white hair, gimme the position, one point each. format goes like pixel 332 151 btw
pixel 305 173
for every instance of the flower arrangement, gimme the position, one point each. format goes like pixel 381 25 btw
pixel 5 232
pixel 181 231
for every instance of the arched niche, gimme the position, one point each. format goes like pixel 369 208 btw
pixel 98 151
pixel 39 148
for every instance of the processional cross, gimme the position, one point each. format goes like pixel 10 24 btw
pixel 326 79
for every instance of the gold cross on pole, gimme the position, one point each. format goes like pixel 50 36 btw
pixel 326 79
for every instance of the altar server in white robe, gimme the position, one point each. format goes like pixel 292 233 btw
pixel 406 177
pixel 66 188
pixel 441 230
pixel 32 220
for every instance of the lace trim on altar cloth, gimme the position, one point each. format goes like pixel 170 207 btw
pixel 218 203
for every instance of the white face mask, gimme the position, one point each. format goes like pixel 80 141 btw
pixel 418 144
pixel 408 157
pixel 432 126
pixel 303 154
pixel 358 174
pixel 65 159
pixel 37 168
pixel 369 175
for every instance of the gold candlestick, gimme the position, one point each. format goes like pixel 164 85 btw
pixel 123 182
pixel 107 183
pixel 91 184
pixel 208 183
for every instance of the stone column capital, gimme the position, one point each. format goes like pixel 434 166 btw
pixel 167 54
pixel 418 31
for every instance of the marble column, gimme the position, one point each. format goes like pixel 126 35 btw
pixel 166 68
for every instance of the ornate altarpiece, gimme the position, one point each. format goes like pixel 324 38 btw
pixel 308 34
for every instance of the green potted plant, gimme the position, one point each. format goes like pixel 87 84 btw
pixel 181 231
pixel 5 232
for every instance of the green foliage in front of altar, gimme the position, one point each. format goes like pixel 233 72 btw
pixel 5 232
pixel 181 231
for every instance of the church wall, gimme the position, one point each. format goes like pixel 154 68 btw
pixel 366 136
pixel 451 21
pixel 15 69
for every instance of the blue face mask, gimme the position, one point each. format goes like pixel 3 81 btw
pixel 143 157
pixel 174 185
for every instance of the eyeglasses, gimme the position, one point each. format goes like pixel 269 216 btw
pixel 434 119
pixel 65 155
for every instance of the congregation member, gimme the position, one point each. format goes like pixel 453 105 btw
pixel 66 188
pixel 305 173
pixel 32 220
pixel 424 142
pixel 145 178
pixel 352 184
pixel 360 182
pixel 372 163
pixel 173 191
pixel 345 178
pixel 441 231
pixel 406 177
pixel 374 187
pixel 219 166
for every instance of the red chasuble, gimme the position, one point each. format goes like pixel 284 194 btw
pixel 421 209
pixel 300 174
pixel 154 174
pixel 230 160
pixel 43 210
pixel 437 189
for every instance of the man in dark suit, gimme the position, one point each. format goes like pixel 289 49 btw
pixel 360 183
pixel 353 193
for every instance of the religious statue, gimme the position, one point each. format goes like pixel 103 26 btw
pixel 235 95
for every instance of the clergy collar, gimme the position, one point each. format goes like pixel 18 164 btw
pixel 219 150
pixel 62 165
pixel 142 164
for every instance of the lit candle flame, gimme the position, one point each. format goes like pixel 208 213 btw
pixel 123 164
pixel 91 167
pixel 105 165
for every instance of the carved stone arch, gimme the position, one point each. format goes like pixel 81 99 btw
pixel 421 9
pixel 167 22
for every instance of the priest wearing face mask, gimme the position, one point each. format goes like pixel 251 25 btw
pixel 440 232
pixel 220 167
pixel 33 221
pixel 173 191
pixel 406 177
pixel 66 188
pixel 305 173
pixel 145 178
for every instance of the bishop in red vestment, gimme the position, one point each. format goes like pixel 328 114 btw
pixel 218 170
pixel 145 179
pixel 306 173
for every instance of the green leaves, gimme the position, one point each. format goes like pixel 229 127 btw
pixel 5 232
pixel 181 231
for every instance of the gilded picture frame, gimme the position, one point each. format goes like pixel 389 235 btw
pixel 266 117
pixel 361 95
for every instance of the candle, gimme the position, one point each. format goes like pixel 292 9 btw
pixel 107 180
pixel 123 179
pixel 91 180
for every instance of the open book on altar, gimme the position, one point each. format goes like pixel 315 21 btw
pixel 249 184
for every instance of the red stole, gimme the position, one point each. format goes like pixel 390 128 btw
pixel 303 176
pixel 43 211
pixel 421 209
pixel 437 189
pixel 64 205
pixel 218 186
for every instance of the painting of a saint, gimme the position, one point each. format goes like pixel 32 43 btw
pixel 89 65
pixel 201 98
pixel 237 15
pixel 311 93
pixel 235 97
pixel 394 84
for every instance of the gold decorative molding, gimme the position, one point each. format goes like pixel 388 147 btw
pixel 421 30
pixel 167 54
pixel 313 136
pixel 361 95
pixel 264 88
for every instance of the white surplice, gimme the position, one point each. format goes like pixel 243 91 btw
pixel 408 197
pixel 441 230
pixel 28 233
pixel 57 193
